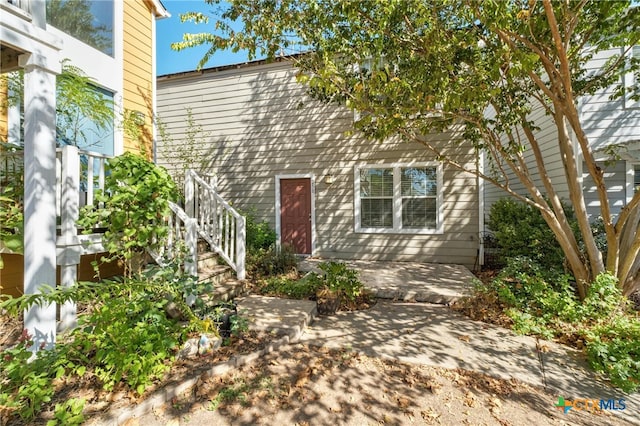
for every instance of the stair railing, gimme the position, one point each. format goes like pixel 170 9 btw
pixel 218 223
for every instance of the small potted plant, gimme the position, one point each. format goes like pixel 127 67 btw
pixel 336 284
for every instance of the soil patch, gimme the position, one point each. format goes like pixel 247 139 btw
pixel 307 385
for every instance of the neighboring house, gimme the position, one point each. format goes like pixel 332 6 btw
pixel 326 192
pixel 606 123
pixel 113 42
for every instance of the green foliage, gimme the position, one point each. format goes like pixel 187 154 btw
pixel 259 235
pixel 69 413
pixel 26 386
pixel 135 203
pixel 127 338
pixel 272 261
pixel 303 288
pixel 544 304
pixel 613 349
pixel 11 202
pixel 338 278
pixel 520 230
pixel 80 103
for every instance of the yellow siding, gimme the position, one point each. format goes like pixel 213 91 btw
pixel 4 125
pixel 138 72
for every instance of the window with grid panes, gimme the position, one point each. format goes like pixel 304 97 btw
pixel 398 198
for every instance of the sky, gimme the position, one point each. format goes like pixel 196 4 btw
pixel 170 30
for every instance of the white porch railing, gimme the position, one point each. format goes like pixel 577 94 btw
pixel 218 223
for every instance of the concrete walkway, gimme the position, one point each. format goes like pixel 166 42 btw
pixel 408 281
pixel 420 333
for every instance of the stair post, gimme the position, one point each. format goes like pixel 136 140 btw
pixel 189 194
pixel 241 226
pixel 191 261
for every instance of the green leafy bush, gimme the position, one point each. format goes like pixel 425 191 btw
pixel 272 261
pixel 543 303
pixel 259 235
pixel 339 278
pixel 135 203
pixel 303 288
pixel 127 338
pixel 614 349
pixel 520 230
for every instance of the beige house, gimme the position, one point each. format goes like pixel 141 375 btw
pixel 325 191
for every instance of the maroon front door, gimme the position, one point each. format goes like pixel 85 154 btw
pixel 295 214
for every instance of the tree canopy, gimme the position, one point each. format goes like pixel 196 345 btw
pixel 413 67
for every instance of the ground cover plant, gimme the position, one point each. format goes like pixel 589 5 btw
pixel 334 278
pixel 538 301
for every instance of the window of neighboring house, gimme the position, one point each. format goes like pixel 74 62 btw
pixel 399 198
pixel 636 177
pixel 90 21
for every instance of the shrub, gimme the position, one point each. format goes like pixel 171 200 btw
pixel 544 304
pixel 136 202
pixel 303 288
pixel 339 278
pixel 614 350
pixel 259 235
pixel 127 337
pixel 272 261
pixel 520 230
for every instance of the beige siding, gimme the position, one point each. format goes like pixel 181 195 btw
pixel 262 125
pixel 138 72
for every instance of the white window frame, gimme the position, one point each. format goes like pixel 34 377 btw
pixel 397 200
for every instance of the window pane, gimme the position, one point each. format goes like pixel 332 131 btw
pixel 376 183
pixel 77 129
pixel 419 213
pixel 636 177
pixel 376 213
pixel 419 181
pixel 90 21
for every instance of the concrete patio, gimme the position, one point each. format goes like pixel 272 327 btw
pixel 408 281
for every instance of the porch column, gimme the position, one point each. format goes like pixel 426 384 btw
pixel 39 192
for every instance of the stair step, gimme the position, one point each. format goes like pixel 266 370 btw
pixel 207 259
pixel 227 290
pixel 215 274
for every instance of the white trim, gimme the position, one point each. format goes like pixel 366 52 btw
pixel 397 200
pixel 312 178
pixel 631 173
pixel 154 89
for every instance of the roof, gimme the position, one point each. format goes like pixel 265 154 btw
pixel 159 9
pixel 238 65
